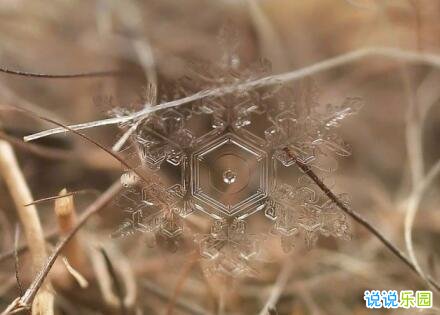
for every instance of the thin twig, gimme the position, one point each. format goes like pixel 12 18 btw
pixel 352 56
pixel 87 125
pixel 16 260
pixel 92 74
pixel 24 247
pixel 358 218
pixel 11 307
pixel 55 154
pixel 39 150
pixel 72 193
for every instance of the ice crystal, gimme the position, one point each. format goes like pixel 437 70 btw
pixel 224 158
pixel 228 247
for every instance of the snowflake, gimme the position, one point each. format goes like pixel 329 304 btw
pixel 228 247
pixel 225 158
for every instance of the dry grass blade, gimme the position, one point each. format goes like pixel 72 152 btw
pixel 72 193
pixel 11 307
pixel 80 279
pixel 33 231
pixel 39 150
pixel 413 205
pixel 116 283
pixel 24 247
pixel 74 251
pixel 352 56
pixel 16 260
pixel 21 194
pixel 91 74
pixel 278 287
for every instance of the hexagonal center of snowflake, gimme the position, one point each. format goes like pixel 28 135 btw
pixel 229 173
pixel 229 177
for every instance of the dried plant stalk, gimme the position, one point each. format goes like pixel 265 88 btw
pixel 14 178
pixel 75 260
pixel 92 74
pixel 352 56
pixel 361 220
pixel 66 217
pixel 117 282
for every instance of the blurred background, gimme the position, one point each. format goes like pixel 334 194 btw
pixel 395 141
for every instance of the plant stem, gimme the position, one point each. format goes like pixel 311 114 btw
pixel 358 218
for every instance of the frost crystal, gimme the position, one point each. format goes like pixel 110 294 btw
pixel 224 158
